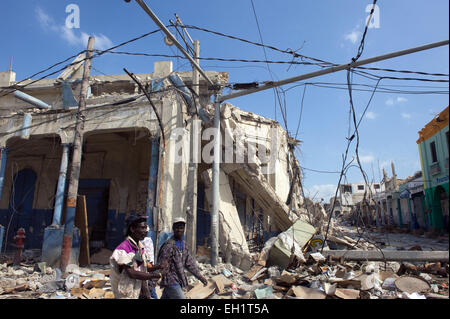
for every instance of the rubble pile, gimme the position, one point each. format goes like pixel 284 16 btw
pixel 322 278
pixel 291 265
pixel 39 281
pixel 317 278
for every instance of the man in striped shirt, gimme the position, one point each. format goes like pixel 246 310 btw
pixel 176 253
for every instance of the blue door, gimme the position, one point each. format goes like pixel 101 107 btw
pixel 97 197
pixel 203 218
pixel 20 207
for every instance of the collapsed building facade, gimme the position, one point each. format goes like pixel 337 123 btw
pixel 130 163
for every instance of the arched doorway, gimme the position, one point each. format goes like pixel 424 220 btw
pixel 21 205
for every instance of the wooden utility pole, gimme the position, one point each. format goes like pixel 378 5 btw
pixel 76 162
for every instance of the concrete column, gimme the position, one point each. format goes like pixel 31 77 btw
pixel 54 234
pixel 59 200
pixel 152 184
pixel 215 186
pixel 191 200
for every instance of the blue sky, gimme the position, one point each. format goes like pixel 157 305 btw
pixel 34 33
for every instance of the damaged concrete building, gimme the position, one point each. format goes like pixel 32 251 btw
pixel 128 168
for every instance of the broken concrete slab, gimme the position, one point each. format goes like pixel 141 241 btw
pixel 259 274
pixel 96 293
pixel 257 186
pixel 287 278
pixel 306 293
pixel 219 283
pixel 297 236
pixel 330 289
pixel 412 285
pixel 77 291
pixel 347 293
pixel 253 271
pixel 201 291
pixel 318 257
pixel 346 283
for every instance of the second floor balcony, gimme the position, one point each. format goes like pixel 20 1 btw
pixel 435 168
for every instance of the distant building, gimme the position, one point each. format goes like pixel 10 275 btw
pixel 352 194
pixel 411 203
pixel 433 148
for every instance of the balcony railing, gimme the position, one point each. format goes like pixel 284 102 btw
pixel 435 169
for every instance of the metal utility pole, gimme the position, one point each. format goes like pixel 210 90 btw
pixel 216 161
pixel 221 98
pixel 76 162
pixel 173 39
pixel 195 135
pixel 191 232
pixel 332 70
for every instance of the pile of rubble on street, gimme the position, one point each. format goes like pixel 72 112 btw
pixel 301 273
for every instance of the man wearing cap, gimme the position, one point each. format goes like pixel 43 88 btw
pixel 129 271
pixel 176 253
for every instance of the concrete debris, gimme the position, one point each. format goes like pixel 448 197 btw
pixel 318 257
pixel 329 289
pixel 233 243
pixel 42 282
pixel 319 274
pixel 347 293
pixel 265 293
pixel 412 285
pixel 291 242
pixel 306 293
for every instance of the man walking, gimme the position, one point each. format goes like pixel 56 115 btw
pixel 176 253
pixel 129 263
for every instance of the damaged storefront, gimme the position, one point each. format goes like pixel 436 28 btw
pixel 127 168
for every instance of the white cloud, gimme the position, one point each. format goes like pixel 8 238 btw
pixel 398 100
pixel 45 20
pixel 366 159
pixel 371 115
pixel 71 36
pixel 102 42
pixel 321 191
pixel 352 36
pixel 406 115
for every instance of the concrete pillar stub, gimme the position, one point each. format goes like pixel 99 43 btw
pixel 162 69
